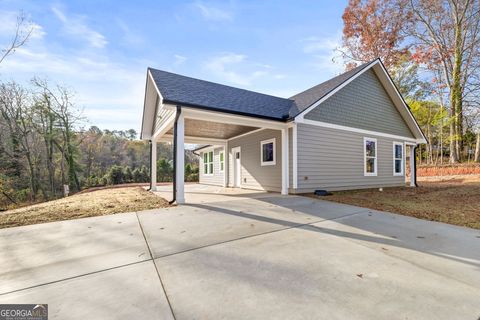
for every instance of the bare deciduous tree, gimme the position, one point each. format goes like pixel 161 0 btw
pixel 23 30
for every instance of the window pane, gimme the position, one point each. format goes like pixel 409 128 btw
pixel 211 167
pixel 221 166
pixel 370 165
pixel 267 152
pixel 398 166
pixel 221 157
pixel 205 168
pixel 205 159
pixel 210 156
pixel 398 151
pixel 370 148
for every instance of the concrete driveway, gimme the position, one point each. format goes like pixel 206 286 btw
pixel 237 255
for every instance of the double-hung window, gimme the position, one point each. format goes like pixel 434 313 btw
pixel 208 162
pixel 398 156
pixel 267 152
pixel 370 156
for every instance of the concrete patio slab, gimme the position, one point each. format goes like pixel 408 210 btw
pixel 43 253
pixel 191 226
pixel 305 273
pixel 130 292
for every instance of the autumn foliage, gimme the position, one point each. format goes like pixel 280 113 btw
pixel 373 29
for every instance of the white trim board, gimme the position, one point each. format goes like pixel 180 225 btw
pixel 356 130
pixel 410 119
pixel 301 115
pixel 294 157
pixel 403 102
pixel 225 117
pixel 246 134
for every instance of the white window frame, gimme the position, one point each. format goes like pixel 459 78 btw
pixel 207 173
pixel 268 163
pixel 365 173
pixel 220 162
pixel 402 173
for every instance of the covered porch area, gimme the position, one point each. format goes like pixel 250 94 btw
pixel 238 137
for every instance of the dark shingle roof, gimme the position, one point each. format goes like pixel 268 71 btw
pixel 178 89
pixel 213 96
pixel 305 99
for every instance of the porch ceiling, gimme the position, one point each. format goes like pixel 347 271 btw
pixel 210 129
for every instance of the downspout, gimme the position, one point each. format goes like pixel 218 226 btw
pixel 179 111
pixel 150 163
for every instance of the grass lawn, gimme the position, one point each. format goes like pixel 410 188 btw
pixel 82 205
pixel 454 201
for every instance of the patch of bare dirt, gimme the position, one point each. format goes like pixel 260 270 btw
pixel 82 205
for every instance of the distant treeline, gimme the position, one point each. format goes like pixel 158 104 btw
pixel 42 149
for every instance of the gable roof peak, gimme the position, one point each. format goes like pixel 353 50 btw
pixel 306 98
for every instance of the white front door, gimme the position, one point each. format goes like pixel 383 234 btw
pixel 236 167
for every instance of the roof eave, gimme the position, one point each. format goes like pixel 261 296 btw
pixel 207 108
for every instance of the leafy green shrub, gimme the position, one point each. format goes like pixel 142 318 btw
pixel 115 175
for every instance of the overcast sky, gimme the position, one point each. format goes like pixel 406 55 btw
pixel 102 49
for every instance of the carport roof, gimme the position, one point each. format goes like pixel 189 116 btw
pixel 187 91
pixel 182 90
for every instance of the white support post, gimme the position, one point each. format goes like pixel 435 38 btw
pixel 294 157
pixel 412 166
pixel 153 166
pixel 225 165
pixel 285 161
pixel 180 169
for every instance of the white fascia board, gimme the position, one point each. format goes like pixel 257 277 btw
pixel 245 134
pixel 407 115
pixel 331 93
pixel 223 117
pixel 149 108
pixel 410 119
pixel 155 85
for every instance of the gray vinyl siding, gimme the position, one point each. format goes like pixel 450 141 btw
pixel 253 174
pixel 218 177
pixel 333 159
pixel 363 104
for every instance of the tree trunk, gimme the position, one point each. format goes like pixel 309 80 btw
pixel 453 152
pixel 457 92
pixel 477 148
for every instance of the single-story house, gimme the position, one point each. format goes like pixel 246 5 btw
pixel 349 132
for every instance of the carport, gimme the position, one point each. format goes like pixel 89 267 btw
pixel 178 121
